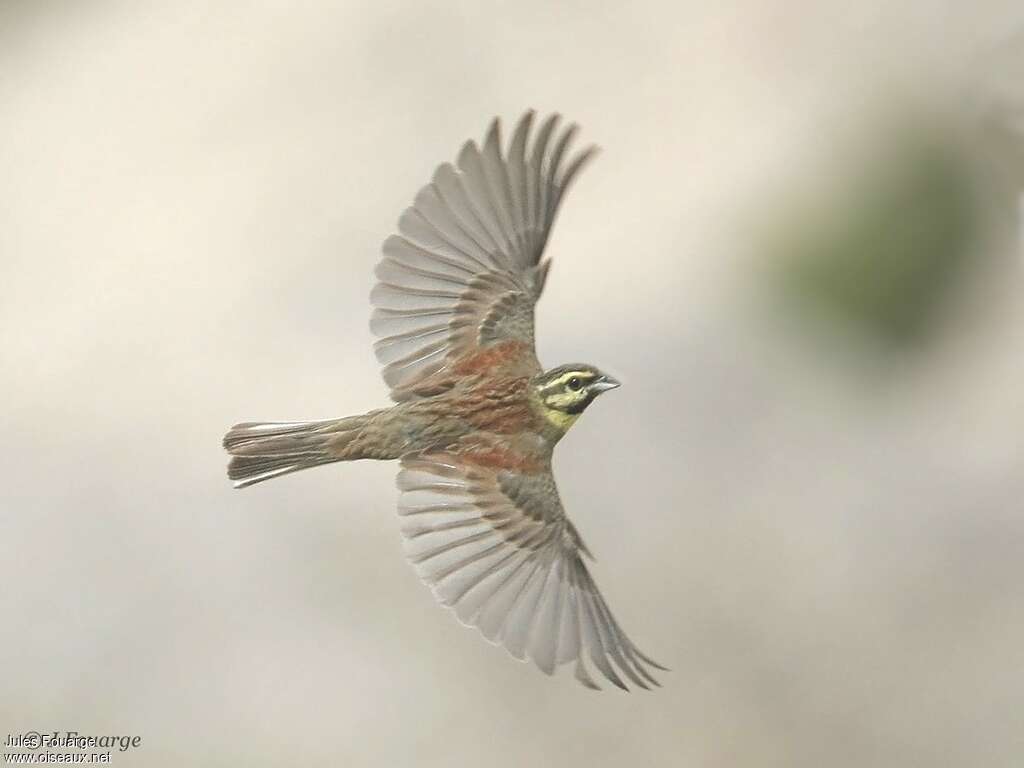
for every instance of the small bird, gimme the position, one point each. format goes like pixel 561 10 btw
pixel 476 418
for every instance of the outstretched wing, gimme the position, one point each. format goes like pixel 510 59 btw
pixel 496 546
pixel 465 270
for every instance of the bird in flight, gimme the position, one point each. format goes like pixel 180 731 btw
pixel 476 418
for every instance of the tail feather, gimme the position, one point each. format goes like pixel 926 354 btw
pixel 262 451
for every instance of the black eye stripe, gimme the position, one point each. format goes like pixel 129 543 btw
pixel 559 383
pixel 581 375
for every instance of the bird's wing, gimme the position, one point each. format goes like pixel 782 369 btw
pixel 464 271
pixel 495 546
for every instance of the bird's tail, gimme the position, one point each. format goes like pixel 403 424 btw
pixel 264 451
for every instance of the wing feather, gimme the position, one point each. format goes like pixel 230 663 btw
pixel 496 547
pixel 468 255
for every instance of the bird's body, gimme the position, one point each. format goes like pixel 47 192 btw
pixel 480 407
pixel 476 418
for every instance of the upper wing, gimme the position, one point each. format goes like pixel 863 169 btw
pixel 496 546
pixel 464 271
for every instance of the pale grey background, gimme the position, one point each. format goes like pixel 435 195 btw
pixel 828 555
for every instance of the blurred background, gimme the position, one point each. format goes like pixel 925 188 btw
pixel 799 249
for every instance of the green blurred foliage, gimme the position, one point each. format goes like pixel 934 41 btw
pixel 882 251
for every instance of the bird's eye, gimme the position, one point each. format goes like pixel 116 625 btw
pixel 574 384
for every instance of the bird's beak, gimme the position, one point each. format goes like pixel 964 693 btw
pixel 605 383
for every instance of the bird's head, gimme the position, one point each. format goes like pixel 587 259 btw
pixel 563 393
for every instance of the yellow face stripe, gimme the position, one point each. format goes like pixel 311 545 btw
pixel 557 403
pixel 559 419
pixel 562 381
